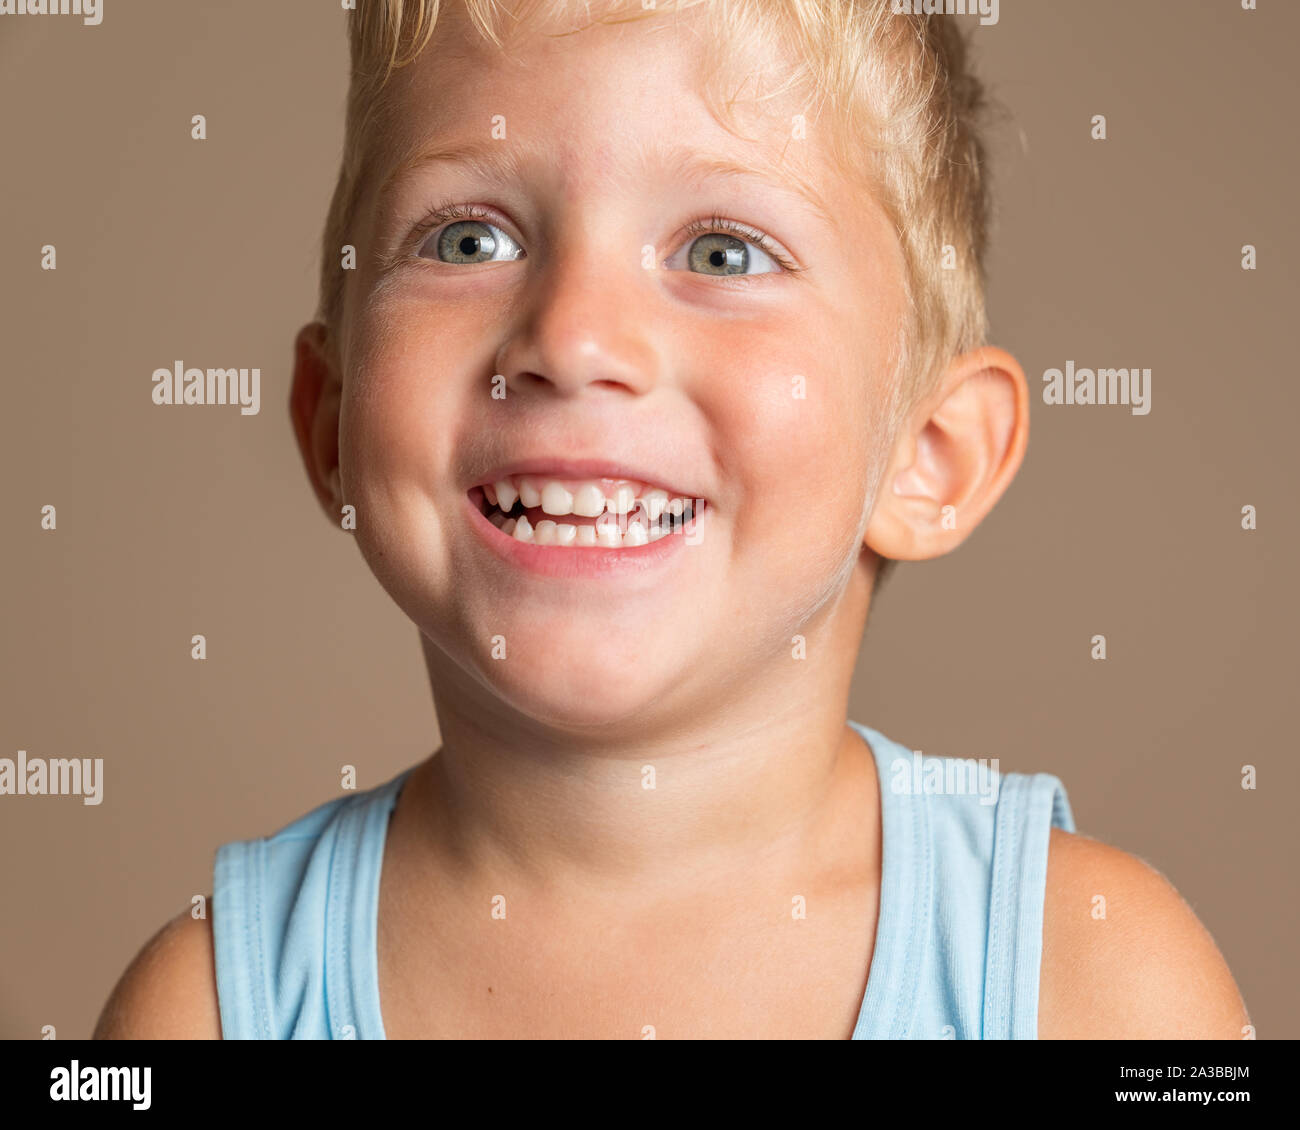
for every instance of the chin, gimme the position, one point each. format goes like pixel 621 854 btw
pixel 589 689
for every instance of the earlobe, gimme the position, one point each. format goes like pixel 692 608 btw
pixel 955 456
pixel 314 401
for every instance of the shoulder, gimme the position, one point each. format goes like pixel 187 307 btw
pixel 1124 956
pixel 169 992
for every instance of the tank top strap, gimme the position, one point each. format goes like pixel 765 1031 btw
pixel 1029 807
pixel 963 872
pixel 352 917
pixel 294 919
pixel 900 954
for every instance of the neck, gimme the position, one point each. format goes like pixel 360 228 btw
pixel 772 779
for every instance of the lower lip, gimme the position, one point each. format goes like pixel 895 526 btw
pixel 579 561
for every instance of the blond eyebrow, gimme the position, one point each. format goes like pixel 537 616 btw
pixel 690 163
pixel 493 162
pixel 499 163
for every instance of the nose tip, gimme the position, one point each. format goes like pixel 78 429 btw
pixel 581 333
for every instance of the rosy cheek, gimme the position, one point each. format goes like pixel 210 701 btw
pixel 383 433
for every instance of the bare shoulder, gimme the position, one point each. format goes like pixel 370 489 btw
pixel 1124 956
pixel 169 992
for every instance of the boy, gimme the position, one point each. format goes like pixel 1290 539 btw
pixel 651 359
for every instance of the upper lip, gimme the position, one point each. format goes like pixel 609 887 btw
pixel 552 467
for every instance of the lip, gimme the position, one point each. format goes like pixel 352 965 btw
pixel 577 562
pixel 554 468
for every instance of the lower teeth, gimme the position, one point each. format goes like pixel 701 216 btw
pixel 611 532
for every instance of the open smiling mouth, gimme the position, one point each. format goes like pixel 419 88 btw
pixel 584 513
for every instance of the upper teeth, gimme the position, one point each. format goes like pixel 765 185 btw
pixel 588 499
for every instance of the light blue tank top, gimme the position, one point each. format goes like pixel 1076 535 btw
pixel 958 937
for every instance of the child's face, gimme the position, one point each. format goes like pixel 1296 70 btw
pixel 761 393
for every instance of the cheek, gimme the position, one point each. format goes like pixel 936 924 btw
pixel 384 437
pixel 399 398
pixel 394 440
pixel 799 433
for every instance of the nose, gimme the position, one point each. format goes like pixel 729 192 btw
pixel 583 326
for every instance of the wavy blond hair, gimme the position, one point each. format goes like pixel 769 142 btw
pixel 903 110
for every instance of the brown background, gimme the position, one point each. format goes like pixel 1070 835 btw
pixel 171 523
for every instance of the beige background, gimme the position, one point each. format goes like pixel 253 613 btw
pixel 172 523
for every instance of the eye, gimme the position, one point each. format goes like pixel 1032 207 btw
pixel 723 247
pixel 468 240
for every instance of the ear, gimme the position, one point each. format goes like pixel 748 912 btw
pixel 960 447
pixel 314 408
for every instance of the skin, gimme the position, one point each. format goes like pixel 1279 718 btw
pixel 761 789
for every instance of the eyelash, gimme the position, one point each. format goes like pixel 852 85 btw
pixel 452 212
pixel 443 214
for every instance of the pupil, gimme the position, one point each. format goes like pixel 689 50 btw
pixel 718 258
pixel 469 245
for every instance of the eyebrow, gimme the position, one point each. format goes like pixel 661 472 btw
pixel 499 163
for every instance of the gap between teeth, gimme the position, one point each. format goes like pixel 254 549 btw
pixel 605 534
pixel 611 531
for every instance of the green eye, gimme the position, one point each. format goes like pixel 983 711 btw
pixel 731 251
pixel 719 247
pixel 470 241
